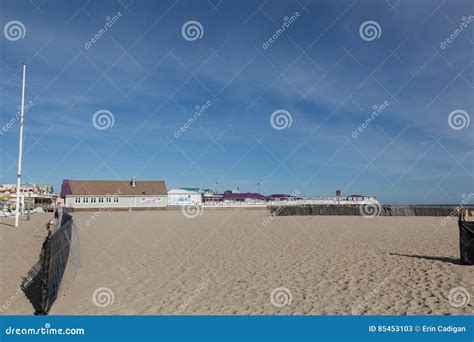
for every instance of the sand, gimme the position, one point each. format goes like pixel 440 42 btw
pixel 230 261
pixel 19 252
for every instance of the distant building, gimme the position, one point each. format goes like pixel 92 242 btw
pixel 281 197
pixel 211 198
pixel 117 195
pixel 247 197
pixel 31 196
pixel 184 196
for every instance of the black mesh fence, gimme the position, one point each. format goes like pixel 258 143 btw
pixel 365 210
pixel 466 242
pixel 60 260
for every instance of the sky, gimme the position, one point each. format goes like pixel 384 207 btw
pixel 306 97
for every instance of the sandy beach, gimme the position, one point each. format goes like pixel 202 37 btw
pixel 230 261
pixel 245 262
pixel 19 252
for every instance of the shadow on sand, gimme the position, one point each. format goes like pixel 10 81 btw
pixel 32 283
pixel 434 258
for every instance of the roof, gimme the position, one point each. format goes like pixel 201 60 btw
pixel 280 196
pixel 182 191
pixel 243 196
pixel 191 189
pixel 109 187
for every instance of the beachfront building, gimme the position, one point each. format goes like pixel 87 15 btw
pixel 244 197
pixel 184 196
pixel 31 196
pixel 210 198
pixel 114 195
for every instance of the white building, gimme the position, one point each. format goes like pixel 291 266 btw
pixel 114 195
pixel 180 197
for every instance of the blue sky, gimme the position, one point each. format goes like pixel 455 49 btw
pixel 320 70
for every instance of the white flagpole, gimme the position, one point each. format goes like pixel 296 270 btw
pixel 20 149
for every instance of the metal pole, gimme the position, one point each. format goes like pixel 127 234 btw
pixel 29 204
pixel 20 149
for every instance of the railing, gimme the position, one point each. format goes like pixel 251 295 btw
pixel 356 201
